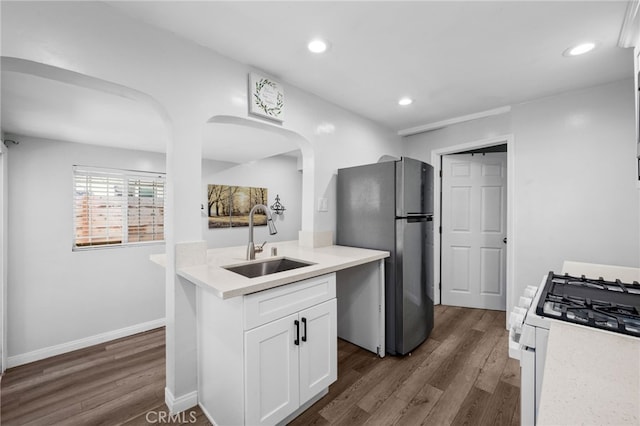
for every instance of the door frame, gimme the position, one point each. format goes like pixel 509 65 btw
pixel 436 156
pixel 4 245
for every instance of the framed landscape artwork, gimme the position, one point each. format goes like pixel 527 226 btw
pixel 229 206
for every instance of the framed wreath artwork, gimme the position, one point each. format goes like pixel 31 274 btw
pixel 266 97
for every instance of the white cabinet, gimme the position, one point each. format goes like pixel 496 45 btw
pixel 271 368
pixel 318 349
pixel 288 361
pixel 263 356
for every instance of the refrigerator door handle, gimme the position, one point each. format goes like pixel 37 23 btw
pixel 413 219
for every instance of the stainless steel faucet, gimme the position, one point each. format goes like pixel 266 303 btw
pixel 251 248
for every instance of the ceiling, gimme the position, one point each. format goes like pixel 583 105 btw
pixel 453 58
pixel 50 109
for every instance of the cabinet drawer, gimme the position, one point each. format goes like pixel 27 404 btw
pixel 268 305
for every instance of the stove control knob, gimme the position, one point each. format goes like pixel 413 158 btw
pixel 515 321
pixel 530 291
pixel 525 302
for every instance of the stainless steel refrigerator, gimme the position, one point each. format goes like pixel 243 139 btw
pixel 389 206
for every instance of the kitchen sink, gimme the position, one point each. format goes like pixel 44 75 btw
pixel 267 267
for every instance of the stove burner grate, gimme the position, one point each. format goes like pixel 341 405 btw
pixel 608 305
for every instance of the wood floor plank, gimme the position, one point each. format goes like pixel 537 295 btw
pixel 352 417
pixel 120 409
pixel 388 412
pixel 439 356
pixel 511 372
pixel 501 406
pixel 472 407
pixel 486 321
pixel 312 419
pixel 452 398
pixel 160 415
pixel 350 397
pixel 36 407
pixel 489 341
pixel 444 375
pixel 399 370
pixel 131 383
pixel 515 419
pixel 37 367
pixel 420 406
pixel 501 320
pixel 92 363
pixel 122 382
pixel 492 369
pixel 446 322
pixel 57 417
pixel 345 380
pixel 18 373
pixel 49 394
pixel 359 360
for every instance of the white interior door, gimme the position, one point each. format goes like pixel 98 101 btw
pixel 474 207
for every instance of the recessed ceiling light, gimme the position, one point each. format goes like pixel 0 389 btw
pixel 317 46
pixel 405 101
pixel 579 49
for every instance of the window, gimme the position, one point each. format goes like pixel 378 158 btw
pixel 117 207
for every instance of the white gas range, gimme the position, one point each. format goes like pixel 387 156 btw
pixel 609 302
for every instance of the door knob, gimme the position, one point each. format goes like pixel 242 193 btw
pixel 504 240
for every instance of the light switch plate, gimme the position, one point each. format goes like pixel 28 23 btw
pixel 323 205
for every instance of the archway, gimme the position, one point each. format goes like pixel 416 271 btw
pixel 308 160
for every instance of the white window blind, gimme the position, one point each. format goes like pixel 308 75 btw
pixel 117 207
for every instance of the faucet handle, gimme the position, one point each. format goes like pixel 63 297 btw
pixel 260 247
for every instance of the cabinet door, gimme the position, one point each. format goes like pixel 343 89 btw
pixel 318 349
pixel 271 372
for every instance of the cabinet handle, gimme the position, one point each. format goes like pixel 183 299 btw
pixel 297 341
pixel 304 336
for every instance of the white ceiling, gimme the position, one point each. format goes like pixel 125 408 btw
pixel 50 109
pixel 46 108
pixel 241 144
pixel 454 58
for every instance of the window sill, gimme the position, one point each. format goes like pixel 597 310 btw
pixel 117 246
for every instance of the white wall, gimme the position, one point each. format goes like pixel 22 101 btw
pixel 57 296
pixel 279 175
pixel 575 183
pixel 190 85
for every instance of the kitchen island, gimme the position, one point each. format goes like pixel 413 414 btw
pixel 225 284
pixel 267 345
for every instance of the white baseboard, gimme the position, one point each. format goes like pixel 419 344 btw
pixel 207 415
pixel 14 361
pixel 182 403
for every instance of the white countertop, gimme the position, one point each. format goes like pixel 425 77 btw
pixel 591 377
pixel 226 284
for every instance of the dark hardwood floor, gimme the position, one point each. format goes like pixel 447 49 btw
pixel 461 375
